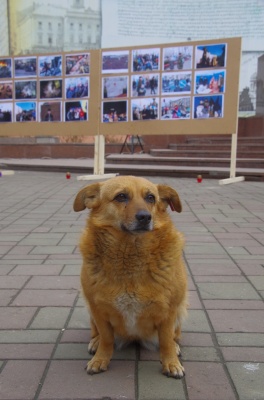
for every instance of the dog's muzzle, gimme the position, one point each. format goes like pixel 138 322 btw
pixel 141 223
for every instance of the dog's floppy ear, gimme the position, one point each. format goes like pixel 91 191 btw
pixel 169 197
pixel 87 197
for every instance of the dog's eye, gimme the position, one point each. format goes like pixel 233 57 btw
pixel 121 197
pixel 150 198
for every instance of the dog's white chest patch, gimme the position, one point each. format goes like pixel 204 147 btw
pixel 130 308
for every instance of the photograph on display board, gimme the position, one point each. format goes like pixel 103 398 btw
pixel 50 65
pixel 208 106
pixel 6 112
pixel 114 111
pixel 145 59
pixel 6 90
pixel 144 109
pixel 25 111
pixel 210 81
pixel 177 58
pixel 77 64
pixel 6 70
pixel 76 87
pixel 115 61
pixel 25 90
pixel 210 56
pixel 76 111
pixel 114 86
pixel 144 85
pixel 176 82
pixel 51 89
pixel 25 67
pixel 50 111
pixel 175 108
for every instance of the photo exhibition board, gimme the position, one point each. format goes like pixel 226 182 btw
pixel 176 88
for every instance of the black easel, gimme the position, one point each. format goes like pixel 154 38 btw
pixel 132 144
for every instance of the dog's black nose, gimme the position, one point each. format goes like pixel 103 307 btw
pixel 143 217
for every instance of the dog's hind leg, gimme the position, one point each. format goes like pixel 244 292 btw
pixel 177 335
pixel 95 337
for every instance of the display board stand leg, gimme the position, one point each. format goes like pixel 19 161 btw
pixel 99 156
pixel 232 178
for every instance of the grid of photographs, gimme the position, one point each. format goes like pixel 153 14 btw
pixel 169 83
pixel 48 88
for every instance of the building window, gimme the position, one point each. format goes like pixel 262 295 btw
pixel 80 27
pixel 71 26
pixel 40 37
pixel 50 26
pixel 50 40
pixel 59 27
pixel 40 25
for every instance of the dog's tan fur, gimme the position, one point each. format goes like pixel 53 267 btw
pixel 133 276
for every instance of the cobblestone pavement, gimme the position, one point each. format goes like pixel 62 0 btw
pixel 44 327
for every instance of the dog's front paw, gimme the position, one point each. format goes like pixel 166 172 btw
pixel 96 365
pixel 173 369
pixel 93 344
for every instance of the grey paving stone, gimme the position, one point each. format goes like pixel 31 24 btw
pixel 76 336
pixel 68 380
pixel 54 282
pixel 5 269
pixel 199 354
pixel 42 298
pixel 241 339
pixel 237 320
pixel 247 354
pixel 196 339
pixel 152 385
pixel 28 336
pixel 233 304
pixel 37 269
pixel 77 351
pixel 72 270
pixel 248 379
pixel 257 281
pixel 206 380
pixel 196 322
pixel 51 318
pixel 25 351
pixel 227 291
pixel 20 379
pixel 6 296
pixel 12 282
pixel 80 318
pixel 53 250
pixel 16 317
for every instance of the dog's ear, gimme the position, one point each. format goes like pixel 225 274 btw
pixel 87 197
pixel 169 197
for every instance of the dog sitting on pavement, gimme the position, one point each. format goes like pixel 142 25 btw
pixel 133 276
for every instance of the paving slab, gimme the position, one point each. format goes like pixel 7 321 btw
pixel 44 323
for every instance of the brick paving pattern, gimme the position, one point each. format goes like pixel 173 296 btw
pixel 44 326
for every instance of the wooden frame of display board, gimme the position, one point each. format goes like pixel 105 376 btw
pixel 113 115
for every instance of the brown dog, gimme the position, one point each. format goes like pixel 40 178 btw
pixel 133 276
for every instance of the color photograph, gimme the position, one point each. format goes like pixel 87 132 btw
pixel 176 82
pixel 145 85
pixel 6 68
pixel 76 87
pixel 144 109
pixel 175 108
pixel 6 112
pixel 50 111
pixel 177 58
pixel 208 106
pixel 115 61
pixel 25 111
pixel 114 111
pixel 210 56
pixel 76 111
pixel 6 90
pixel 114 86
pixel 25 90
pixel 145 59
pixel 25 67
pixel 77 64
pixel 50 66
pixel 212 81
pixel 51 89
